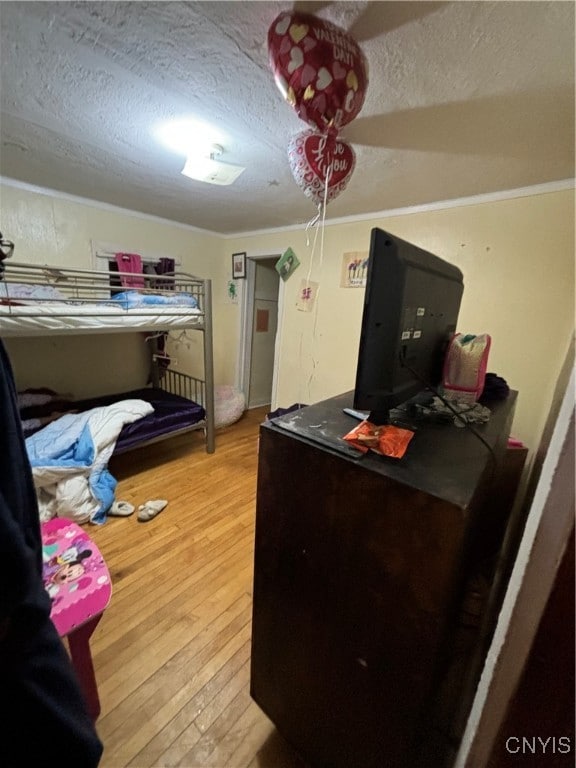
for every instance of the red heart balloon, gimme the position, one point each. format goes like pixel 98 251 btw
pixel 319 69
pixel 315 157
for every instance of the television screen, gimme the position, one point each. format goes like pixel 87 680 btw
pixel 410 312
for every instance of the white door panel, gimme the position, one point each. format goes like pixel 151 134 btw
pixel 265 324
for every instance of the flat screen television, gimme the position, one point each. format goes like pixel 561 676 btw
pixel 410 311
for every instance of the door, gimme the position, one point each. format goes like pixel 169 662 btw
pixel 263 335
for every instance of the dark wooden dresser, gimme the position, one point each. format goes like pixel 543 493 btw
pixel 371 584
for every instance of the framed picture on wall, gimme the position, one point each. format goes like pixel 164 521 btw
pixel 238 265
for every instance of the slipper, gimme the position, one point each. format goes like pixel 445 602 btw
pixel 150 509
pixel 121 509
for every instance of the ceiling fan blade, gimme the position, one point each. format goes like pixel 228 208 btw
pixel 502 125
pixel 304 7
pixel 378 19
pixel 365 21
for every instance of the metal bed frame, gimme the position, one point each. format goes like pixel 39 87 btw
pixel 93 288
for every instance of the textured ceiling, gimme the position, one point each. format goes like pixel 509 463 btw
pixel 464 98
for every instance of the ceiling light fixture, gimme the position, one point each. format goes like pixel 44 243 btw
pixel 188 137
pixel 201 145
pixel 208 169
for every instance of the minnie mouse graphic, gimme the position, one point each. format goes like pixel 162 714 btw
pixel 65 568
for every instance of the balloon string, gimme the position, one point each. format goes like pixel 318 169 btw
pixel 322 217
pixel 321 205
pixel 328 177
pixel 311 224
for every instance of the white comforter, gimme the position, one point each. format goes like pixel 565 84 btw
pixel 70 457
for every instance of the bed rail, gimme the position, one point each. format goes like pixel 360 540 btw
pixel 84 286
pixel 27 291
pixel 195 389
pixel 184 385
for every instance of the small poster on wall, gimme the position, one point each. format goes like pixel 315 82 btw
pixel 262 320
pixel 238 265
pixel 307 296
pixel 232 292
pixel 354 269
pixel 287 263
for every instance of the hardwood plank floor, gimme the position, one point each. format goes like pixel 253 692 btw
pixel 172 651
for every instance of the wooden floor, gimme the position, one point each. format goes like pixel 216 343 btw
pixel 172 651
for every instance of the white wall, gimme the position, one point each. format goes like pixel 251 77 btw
pixel 52 229
pixel 517 256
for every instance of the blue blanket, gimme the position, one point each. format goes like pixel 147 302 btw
pixel 70 457
pixel 131 299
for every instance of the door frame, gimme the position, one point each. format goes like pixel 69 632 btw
pixel 548 527
pixel 247 322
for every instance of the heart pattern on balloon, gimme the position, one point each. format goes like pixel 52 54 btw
pixel 296 60
pixel 307 51
pixel 339 71
pixel 298 32
pixel 352 80
pixel 285 46
pixel 282 25
pixel 321 164
pixel 308 75
pixel 324 79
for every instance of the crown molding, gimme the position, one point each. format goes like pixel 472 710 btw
pixel 488 197
pixel 9 182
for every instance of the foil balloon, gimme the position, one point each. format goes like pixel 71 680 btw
pixel 319 69
pixel 321 164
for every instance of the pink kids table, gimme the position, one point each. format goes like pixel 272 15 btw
pixel 78 582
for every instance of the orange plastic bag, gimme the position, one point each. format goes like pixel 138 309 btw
pixel 386 439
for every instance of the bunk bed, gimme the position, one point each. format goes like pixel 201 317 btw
pixel 43 300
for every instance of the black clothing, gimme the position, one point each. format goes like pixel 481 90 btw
pixel 44 721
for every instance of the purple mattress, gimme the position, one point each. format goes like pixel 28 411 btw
pixel 171 413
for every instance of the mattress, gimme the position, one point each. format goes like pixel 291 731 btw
pixel 50 318
pixel 171 413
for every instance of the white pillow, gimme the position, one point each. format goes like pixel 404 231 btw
pixel 24 291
